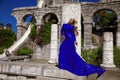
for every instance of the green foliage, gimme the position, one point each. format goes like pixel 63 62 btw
pixel 45 33
pixel 24 51
pixel 33 32
pixel 106 18
pixel 1 50
pixel 93 56
pixel 7 38
pixel 117 56
pixel 41 36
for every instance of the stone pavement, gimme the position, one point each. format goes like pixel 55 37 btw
pixel 41 70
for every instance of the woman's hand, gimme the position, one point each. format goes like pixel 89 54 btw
pixel 76 43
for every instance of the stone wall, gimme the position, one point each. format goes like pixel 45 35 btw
pixel 34 71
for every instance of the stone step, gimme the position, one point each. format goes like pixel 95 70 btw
pixel 52 71
pixel 48 78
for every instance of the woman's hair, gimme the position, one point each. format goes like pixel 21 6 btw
pixel 73 22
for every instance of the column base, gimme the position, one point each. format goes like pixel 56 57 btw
pixel 108 65
pixel 52 61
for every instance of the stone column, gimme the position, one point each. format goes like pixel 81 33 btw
pixel 87 33
pixel 73 10
pixel 19 31
pixel 54 44
pixel 118 39
pixel 108 50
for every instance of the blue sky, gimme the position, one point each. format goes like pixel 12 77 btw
pixel 6 7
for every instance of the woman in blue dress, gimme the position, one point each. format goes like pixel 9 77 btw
pixel 68 57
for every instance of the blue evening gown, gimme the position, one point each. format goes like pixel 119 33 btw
pixel 70 60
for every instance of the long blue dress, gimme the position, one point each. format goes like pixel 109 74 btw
pixel 70 60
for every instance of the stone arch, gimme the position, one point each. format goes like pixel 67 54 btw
pixel 97 29
pixel 114 9
pixel 21 17
pixel 49 17
pixel 29 16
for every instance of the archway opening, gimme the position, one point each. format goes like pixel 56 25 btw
pixel 50 17
pixel 29 19
pixel 105 20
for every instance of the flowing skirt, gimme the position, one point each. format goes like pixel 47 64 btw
pixel 71 61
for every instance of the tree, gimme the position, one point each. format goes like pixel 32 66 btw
pixel 105 18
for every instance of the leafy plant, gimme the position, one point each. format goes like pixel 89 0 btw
pixel 117 56
pixel 45 34
pixel 93 56
pixel 33 32
pixel 24 51
pixel 105 18
pixel 41 36
pixel 7 38
pixel 1 50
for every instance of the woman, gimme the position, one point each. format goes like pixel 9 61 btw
pixel 68 57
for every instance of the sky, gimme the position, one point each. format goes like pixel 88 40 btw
pixel 6 7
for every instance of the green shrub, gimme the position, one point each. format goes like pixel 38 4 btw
pixel 24 51
pixel 45 34
pixel 1 50
pixel 42 37
pixel 93 56
pixel 117 56
pixel 7 38
pixel 33 32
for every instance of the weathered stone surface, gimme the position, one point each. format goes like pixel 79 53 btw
pixel 21 78
pixel 108 50
pixel 3 77
pixel 12 78
pixel 32 70
pixel 0 67
pixel 118 39
pixel 16 69
pixel 48 78
pixel 59 73
pixel 69 11
pixel 5 68
pixel 30 79
pixel 54 44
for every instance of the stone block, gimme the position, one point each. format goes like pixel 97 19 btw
pixel 48 78
pixel 12 78
pixel 0 67
pixel 3 77
pixel 32 70
pixel 31 79
pixel 5 68
pixel 16 69
pixel 59 73
pixel 21 78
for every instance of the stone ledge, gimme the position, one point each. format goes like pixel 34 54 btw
pixel 19 69
pixel 55 72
